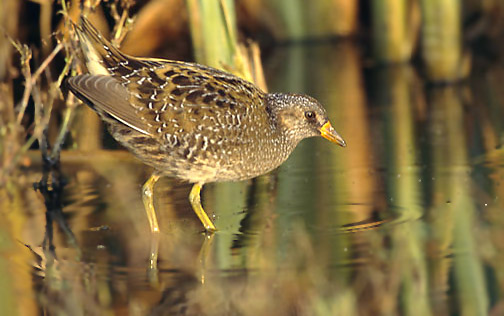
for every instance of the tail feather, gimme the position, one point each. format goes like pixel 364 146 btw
pixel 101 57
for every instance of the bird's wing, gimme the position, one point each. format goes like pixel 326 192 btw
pixel 108 97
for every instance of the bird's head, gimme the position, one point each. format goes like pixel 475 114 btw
pixel 300 116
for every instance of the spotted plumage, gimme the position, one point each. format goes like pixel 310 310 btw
pixel 190 121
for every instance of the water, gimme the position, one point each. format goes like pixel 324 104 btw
pixel 406 220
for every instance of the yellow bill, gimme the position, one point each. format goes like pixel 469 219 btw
pixel 328 132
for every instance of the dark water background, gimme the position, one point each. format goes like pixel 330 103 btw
pixel 407 220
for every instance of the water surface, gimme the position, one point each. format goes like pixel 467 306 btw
pixel 408 219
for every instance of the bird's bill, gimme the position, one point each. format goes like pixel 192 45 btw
pixel 328 132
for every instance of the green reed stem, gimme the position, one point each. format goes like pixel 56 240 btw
pixel 390 30
pixel 441 40
pixel 213 31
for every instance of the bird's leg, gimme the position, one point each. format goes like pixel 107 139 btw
pixel 148 200
pixel 195 199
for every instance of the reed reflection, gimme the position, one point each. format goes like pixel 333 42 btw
pixel 452 214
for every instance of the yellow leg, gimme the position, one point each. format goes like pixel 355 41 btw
pixel 148 200
pixel 195 199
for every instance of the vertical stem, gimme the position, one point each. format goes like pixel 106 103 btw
pixel 213 31
pixel 390 27
pixel 327 18
pixel 291 14
pixel 441 40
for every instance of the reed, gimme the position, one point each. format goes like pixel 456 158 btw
pixel 330 18
pixel 288 17
pixel 213 31
pixel 394 30
pixel 300 20
pixel 441 41
pixel 215 40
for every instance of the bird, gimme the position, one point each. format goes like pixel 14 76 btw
pixel 190 121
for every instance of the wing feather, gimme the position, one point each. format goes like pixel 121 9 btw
pixel 106 94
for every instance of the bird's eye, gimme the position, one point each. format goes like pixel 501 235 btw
pixel 309 115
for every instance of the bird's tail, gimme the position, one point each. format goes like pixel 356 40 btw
pixel 100 56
